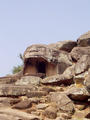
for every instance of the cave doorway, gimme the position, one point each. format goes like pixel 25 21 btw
pixel 41 67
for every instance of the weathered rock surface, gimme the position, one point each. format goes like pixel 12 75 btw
pixel 50 112
pixel 9 114
pixel 65 78
pixel 63 95
pixel 87 80
pixel 67 45
pixel 84 40
pixel 41 51
pixel 28 80
pixel 62 101
pixel 23 104
pixel 14 90
pixel 78 52
pixel 79 94
pixel 82 65
pixel 36 94
pixel 57 80
pixel 64 60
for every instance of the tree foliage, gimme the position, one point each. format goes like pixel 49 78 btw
pixel 16 69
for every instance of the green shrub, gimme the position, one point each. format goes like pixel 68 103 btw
pixel 16 69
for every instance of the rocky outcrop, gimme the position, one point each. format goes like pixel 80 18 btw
pixel 78 52
pixel 55 86
pixel 67 45
pixel 84 40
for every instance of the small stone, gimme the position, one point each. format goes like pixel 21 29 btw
pixel 50 112
pixel 23 105
pixel 42 106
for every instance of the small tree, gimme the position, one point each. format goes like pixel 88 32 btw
pixel 18 68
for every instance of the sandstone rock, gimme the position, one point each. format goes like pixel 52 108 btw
pixel 50 112
pixel 80 79
pixel 78 52
pixel 7 101
pixel 42 106
pixel 49 59
pixel 87 80
pixel 34 100
pixel 82 65
pixel 9 90
pixel 84 40
pixel 62 101
pixel 26 80
pixel 9 114
pixel 79 94
pixel 65 78
pixel 7 80
pixel 23 105
pixel 64 60
pixel 47 89
pixel 41 50
pixel 36 94
pixel 66 45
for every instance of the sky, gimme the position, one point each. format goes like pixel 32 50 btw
pixel 27 22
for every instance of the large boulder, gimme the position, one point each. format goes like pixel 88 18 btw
pixel 78 52
pixel 66 45
pixel 82 65
pixel 84 40
pixel 62 101
pixel 65 78
pixel 57 80
pixel 79 94
pixel 64 60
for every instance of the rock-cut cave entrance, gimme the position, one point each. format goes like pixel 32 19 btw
pixel 35 66
pixel 41 67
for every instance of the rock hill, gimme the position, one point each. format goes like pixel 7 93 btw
pixel 54 83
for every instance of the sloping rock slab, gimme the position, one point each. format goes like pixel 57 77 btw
pixel 79 94
pixel 62 101
pixel 14 90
